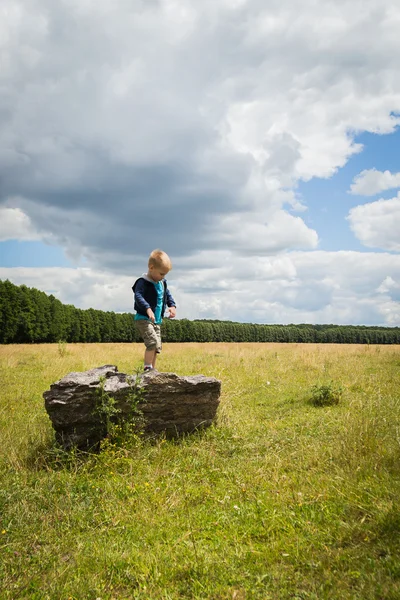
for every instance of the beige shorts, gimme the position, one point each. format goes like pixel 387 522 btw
pixel 150 333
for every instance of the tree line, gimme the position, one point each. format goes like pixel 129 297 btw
pixel 28 315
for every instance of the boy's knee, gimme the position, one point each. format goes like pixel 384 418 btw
pixel 151 335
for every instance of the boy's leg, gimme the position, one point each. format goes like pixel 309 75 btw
pixel 149 358
pixel 148 334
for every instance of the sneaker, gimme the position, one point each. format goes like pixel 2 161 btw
pixel 147 369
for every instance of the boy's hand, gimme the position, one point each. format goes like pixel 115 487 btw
pixel 150 314
pixel 172 312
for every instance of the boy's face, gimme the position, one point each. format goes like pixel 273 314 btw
pixel 157 273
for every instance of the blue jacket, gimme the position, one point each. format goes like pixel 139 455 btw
pixel 146 296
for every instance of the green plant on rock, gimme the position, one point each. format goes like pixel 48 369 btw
pixel 105 406
pixel 121 424
pixel 133 421
pixel 327 394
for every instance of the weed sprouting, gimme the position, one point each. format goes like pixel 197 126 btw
pixel 62 348
pixel 120 425
pixel 106 407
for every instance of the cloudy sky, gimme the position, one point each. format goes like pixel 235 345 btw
pixel 255 141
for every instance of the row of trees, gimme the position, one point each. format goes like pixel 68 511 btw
pixel 28 315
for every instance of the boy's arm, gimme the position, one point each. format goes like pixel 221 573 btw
pixel 170 303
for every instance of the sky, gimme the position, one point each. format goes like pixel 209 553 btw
pixel 256 143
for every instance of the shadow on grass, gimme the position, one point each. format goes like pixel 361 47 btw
pixel 388 526
pixel 49 455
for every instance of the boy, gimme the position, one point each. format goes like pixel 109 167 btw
pixel 151 298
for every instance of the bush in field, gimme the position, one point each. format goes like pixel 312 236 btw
pixel 326 395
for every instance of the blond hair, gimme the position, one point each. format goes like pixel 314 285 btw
pixel 160 259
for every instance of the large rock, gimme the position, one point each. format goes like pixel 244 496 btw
pixel 80 411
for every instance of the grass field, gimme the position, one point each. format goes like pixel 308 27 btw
pixel 281 499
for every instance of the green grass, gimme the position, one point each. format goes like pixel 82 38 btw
pixel 281 499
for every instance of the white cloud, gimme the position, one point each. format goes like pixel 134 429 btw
pixel 308 287
pixel 258 234
pixel 387 285
pixel 371 182
pixel 377 224
pixel 16 225
pixel 172 123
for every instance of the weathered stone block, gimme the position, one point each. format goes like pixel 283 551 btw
pixel 169 403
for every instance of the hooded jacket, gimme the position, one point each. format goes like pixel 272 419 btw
pixel 146 295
